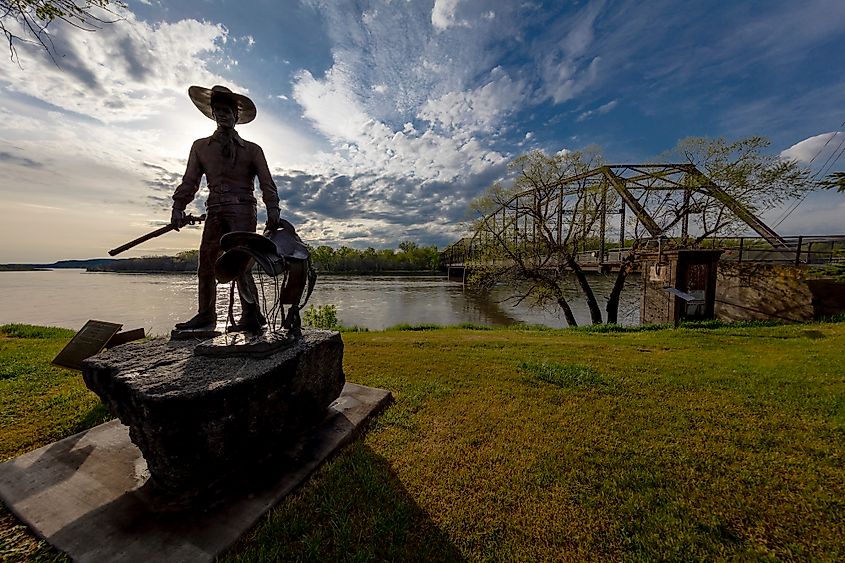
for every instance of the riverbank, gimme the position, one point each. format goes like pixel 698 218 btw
pixel 691 443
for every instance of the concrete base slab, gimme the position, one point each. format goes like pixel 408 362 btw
pixel 203 333
pixel 86 494
pixel 246 344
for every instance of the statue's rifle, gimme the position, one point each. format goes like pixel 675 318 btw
pixel 188 220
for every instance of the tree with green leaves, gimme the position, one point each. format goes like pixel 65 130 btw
pixel 409 257
pixel 532 256
pixel 835 181
pixel 26 21
pixel 757 180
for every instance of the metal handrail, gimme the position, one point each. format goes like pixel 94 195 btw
pixel 800 249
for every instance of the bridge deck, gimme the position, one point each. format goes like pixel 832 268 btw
pixel 798 250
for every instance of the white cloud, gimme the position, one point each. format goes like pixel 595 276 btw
pixel 404 106
pixel 329 105
pixel 601 110
pixel 565 79
pixel 529 136
pixel 568 65
pixel 366 145
pixel 443 15
pixel 819 147
pixel 125 71
pixel 420 103
pixel 482 109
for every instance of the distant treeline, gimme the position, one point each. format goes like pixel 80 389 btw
pixel 19 268
pixel 409 257
pixel 182 262
pixel 61 264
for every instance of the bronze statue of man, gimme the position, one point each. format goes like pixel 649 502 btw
pixel 230 165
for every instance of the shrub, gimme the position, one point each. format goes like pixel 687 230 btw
pixel 324 316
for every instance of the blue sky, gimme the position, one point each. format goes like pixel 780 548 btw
pixel 382 119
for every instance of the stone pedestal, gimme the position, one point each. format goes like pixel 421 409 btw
pixel 204 423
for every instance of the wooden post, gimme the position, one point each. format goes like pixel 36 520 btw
pixel 798 251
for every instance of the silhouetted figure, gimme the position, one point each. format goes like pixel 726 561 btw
pixel 230 165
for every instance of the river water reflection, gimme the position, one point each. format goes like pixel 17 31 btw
pixel 68 298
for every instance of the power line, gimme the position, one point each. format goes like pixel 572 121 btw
pixel 832 135
pixel 819 175
pixel 822 171
pixel 800 200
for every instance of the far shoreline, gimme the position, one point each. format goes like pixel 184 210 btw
pixel 397 273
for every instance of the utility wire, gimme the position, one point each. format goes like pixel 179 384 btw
pixel 832 135
pixel 823 173
pixel 818 176
pixel 815 176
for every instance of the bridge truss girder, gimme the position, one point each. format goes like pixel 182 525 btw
pixel 625 180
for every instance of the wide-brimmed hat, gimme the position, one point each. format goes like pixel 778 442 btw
pixel 203 98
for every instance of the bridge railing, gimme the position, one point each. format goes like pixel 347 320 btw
pixel 797 250
pixel 807 250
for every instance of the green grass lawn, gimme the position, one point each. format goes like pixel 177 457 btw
pixel 684 444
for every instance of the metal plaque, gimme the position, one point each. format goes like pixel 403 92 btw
pixel 90 340
pixel 124 337
pixel 682 294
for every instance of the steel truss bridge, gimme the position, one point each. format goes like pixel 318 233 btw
pixel 609 208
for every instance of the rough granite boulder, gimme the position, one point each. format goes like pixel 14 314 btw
pixel 202 421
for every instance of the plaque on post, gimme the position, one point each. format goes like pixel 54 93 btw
pixel 91 339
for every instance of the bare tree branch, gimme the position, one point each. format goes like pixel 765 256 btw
pixel 34 16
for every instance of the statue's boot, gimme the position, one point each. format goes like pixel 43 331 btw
pixel 251 319
pixel 207 315
pixel 293 322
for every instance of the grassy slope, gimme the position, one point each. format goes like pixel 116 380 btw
pixel 523 445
